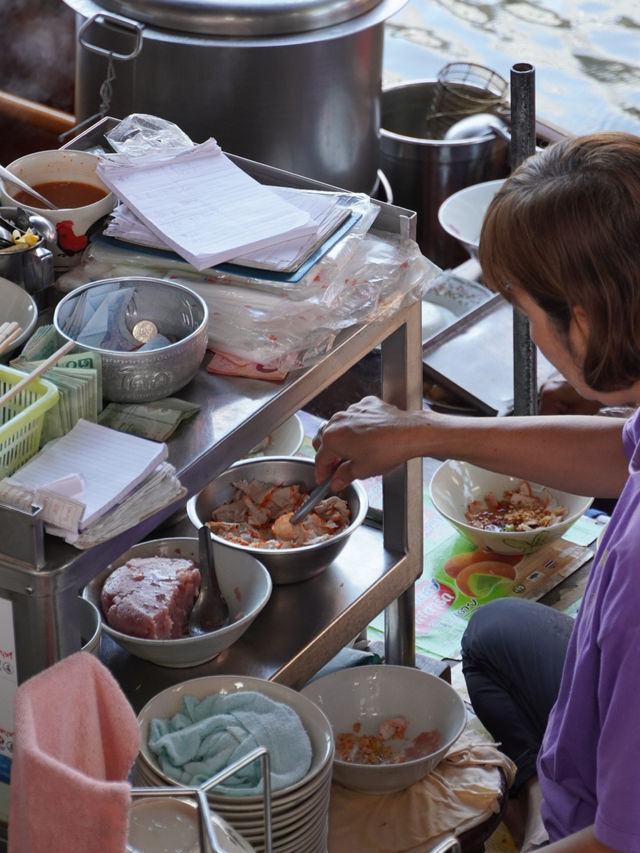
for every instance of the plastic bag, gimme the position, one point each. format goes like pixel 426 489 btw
pixel 379 274
pixel 141 135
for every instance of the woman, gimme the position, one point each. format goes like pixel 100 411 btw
pixel 561 241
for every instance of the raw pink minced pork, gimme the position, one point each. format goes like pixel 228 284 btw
pixel 151 597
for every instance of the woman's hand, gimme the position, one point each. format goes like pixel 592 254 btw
pixel 369 438
pixel 557 397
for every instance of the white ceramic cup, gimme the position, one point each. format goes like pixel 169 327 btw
pixel 61 165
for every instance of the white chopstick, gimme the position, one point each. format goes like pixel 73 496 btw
pixel 41 368
pixel 8 333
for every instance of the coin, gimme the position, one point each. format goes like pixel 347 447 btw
pixel 144 330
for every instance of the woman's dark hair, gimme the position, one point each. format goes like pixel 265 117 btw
pixel 565 227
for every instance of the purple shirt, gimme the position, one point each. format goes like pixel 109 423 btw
pixel 589 764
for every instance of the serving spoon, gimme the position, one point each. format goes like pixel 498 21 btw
pixel 210 610
pixel 9 176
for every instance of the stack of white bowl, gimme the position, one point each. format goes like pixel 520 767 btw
pixel 299 813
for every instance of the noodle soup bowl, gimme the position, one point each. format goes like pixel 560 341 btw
pixel 457 484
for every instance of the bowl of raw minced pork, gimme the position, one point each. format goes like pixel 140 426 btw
pixel 145 598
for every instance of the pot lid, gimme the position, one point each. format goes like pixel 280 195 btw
pixel 248 18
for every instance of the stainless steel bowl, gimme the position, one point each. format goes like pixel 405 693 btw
pixel 142 376
pixel 288 565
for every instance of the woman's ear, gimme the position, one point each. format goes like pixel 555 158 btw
pixel 578 330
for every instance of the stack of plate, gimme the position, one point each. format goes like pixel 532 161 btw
pixel 299 813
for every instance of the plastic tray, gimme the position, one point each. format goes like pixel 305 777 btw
pixel 22 417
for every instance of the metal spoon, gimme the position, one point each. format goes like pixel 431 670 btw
pixel 319 493
pixel 479 124
pixel 8 176
pixel 210 610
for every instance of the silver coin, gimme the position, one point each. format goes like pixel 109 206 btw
pixel 144 330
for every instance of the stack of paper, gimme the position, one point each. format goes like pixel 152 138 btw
pixel 328 211
pixel 94 482
pixel 203 206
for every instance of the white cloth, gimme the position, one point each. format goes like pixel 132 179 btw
pixel 464 790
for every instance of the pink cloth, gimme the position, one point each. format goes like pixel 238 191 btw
pixel 76 738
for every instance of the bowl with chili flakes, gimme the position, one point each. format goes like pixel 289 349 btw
pixel 501 513
pixel 392 725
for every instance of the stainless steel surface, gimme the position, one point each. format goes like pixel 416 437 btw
pixel 285 565
pixel 523 145
pixel 239 87
pixel 305 624
pixel 474 358
pixel 243 18
pixel 146 375
pixel 423 172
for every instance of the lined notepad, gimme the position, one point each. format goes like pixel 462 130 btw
pixel 106 465
pixel 203 206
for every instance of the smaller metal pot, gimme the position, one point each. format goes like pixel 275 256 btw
pixel 30 267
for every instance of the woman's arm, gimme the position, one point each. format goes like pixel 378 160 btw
pixel 581 454
pixel 580 842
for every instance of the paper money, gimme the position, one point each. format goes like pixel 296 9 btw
pixel 157 420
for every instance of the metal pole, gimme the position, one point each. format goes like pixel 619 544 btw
pixel 523 145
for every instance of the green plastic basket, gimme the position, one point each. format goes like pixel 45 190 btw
pixel 21 418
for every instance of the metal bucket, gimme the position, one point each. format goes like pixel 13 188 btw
pixel 423 172
pixel 295 85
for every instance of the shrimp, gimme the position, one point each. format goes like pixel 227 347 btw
pixel 282 527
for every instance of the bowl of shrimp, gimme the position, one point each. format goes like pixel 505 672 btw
pixel 392 725
pixel 249 506
pixel 500 513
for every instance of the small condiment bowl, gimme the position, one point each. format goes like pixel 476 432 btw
pixel 79 167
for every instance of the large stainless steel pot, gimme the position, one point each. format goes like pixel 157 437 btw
pixel 294 84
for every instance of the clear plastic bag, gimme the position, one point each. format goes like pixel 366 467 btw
pixel 379 274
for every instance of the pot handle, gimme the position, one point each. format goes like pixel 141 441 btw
pixel 101 19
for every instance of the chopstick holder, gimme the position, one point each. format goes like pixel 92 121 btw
pixel 41 368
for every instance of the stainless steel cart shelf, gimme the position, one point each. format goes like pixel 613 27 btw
pixel 304 625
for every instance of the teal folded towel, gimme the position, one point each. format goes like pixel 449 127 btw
pixel 210 734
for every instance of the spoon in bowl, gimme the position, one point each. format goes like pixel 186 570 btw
pixel 210 610
pixel 6 175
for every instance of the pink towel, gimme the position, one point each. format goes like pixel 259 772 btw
pixel 76 738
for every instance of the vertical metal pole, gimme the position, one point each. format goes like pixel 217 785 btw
pixel 523 145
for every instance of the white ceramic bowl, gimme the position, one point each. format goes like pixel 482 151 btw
pixel 168 702
pixel 61 165
pixel 90 626
pixel 369 695
pixel 287 565
pixel 456 484
pixel 461 214
pixel 244 583
pixel 19 306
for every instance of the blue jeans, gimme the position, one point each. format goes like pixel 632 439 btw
pixel 513 652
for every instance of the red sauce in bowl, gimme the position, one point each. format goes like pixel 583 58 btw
pixel 64 194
